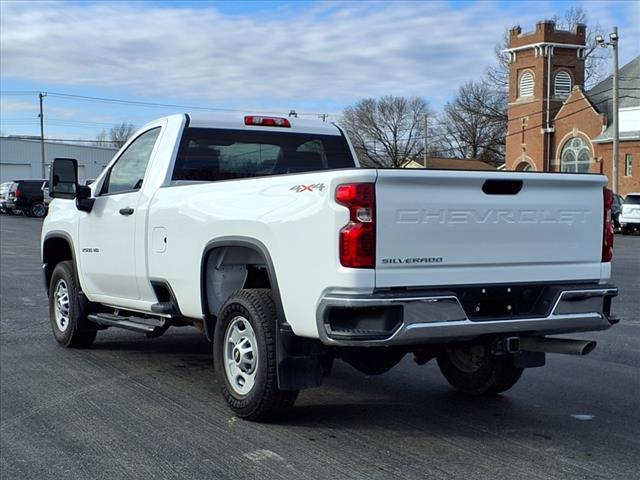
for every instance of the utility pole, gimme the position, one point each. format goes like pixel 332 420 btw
pixel 613 43
pixel 41 96
pixel 424 142
pixel 613 37
pixel 323 116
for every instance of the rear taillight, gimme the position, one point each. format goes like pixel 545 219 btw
pixel 358 237
pixel 18 193
pixel 607 234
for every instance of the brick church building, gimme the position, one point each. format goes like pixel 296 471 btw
pixel 554 124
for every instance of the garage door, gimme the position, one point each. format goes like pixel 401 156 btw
pixel 14 171
pixel 82 176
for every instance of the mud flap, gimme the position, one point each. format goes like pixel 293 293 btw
pixel 299 360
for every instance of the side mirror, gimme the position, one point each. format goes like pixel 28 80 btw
pixel 64 178
pixel 84 202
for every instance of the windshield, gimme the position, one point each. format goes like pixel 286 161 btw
pixel 213 154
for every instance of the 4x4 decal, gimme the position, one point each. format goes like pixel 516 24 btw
pixel 308 188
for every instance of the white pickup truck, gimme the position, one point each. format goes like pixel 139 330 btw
pixel 264 233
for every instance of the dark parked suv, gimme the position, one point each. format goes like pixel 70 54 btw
pixel 26 196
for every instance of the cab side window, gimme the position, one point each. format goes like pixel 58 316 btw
pixel 128 172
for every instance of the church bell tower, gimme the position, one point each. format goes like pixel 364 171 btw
pixel 544 65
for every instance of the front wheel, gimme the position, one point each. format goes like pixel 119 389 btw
pixel 244 353
pixel 67 311
pixel 473 370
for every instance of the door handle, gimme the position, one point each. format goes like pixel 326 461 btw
pixel 126 211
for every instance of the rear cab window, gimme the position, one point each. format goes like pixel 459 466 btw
pixel 30 186
pixel 632 200
pixel 208 154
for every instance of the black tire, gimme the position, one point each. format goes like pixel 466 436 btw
pixel 70 325
pixel 626 231
pixel 488 375
pixel 38 209
pixel 264 400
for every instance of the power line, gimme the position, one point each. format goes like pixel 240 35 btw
pixel 36 138
pixel 61 121
pixel 138 103
pixel 19 92
pixel 519 132
pixel 563 117
pixel 444 124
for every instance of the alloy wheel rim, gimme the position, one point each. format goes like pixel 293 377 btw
pixel 240 355
pixel 39 210
pixel 62 306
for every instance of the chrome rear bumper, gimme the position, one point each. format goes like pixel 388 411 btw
pixel 419 319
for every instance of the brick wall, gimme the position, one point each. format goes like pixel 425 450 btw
pixel 576 118
pixel 626 184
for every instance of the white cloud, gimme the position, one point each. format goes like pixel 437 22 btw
pixel 333 54
pixel 10 105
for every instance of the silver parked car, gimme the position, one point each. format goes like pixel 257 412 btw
pixel 5 188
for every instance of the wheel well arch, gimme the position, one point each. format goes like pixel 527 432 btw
pixel 229 264
pixel 56 248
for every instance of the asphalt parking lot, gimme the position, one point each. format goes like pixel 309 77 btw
pixel 140 408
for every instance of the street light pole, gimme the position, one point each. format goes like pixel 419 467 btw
pixel 616 126
pixel 424 142
pixel 41 96
pixel 613 43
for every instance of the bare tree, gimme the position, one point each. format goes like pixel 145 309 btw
pixel 102 139
pixel 594 67
pixel 116 136
pixel 388 131
pixel 473 125
pixel 119 134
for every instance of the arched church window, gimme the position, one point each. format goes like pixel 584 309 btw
pixel 562 84
pixel 576 156
pixel 526 85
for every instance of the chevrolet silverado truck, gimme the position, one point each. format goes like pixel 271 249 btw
pixel 266 235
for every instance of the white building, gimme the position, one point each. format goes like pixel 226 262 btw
pixel 21 158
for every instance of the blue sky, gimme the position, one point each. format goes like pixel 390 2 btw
pixel 258 56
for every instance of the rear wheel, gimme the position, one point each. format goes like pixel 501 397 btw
pixel 473 370
pixel 67 311
pixel 38 209
pixel 244 351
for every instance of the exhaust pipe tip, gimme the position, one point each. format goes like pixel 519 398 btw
pixel 588 347
pixel 558 345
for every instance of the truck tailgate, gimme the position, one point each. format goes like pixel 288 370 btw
pixel 462 228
